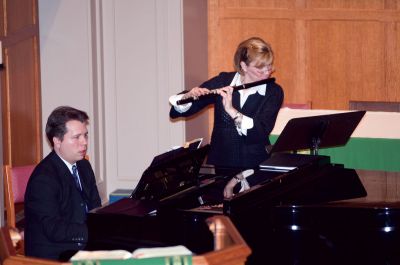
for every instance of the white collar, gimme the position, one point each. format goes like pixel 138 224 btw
pixel 66 163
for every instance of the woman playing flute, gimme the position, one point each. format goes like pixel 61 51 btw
pixel 243 119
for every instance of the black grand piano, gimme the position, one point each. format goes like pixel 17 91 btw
pixel 308 214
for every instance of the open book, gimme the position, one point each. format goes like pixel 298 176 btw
pixel 140 253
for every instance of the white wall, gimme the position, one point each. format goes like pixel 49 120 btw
pixel 65 55
pixel 119 60
pixel 196 62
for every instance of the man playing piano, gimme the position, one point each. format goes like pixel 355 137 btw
pixel 61 190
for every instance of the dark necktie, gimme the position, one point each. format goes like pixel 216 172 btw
pixel 76 177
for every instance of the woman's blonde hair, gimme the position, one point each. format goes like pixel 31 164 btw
pixel 255 50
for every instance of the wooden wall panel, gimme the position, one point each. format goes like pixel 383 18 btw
pixel 347 4
pixel 328 52
pixel 346 61
pixel 380 185
pixel 20 81
pixel 392 39
pixel 258 3
pixel 24 115
pixel 20 13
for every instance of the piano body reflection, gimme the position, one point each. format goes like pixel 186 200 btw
pixel 307 215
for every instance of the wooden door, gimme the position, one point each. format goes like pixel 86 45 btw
pixel 20 82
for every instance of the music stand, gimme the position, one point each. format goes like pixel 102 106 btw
pixel 317 132
pixel 171 173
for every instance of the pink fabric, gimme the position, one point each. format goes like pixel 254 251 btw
pixel 19 177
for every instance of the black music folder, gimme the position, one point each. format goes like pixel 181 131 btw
pixel 167 156
pixel 174 172
pixel 170 175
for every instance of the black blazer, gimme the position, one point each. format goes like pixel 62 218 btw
pixel 228 148
pixel 55 210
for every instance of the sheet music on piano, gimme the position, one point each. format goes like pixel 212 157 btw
pixel 276 168
pixel 285 162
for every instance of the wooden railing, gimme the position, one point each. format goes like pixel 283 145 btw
pixel 230 248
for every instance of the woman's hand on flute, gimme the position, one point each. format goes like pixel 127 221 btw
pixel 226 94
pixel 196 92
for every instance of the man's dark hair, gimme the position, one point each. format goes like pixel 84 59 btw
pixel 55 126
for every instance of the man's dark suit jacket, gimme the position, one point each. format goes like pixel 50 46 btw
pixel 55 210
pixel 228 148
